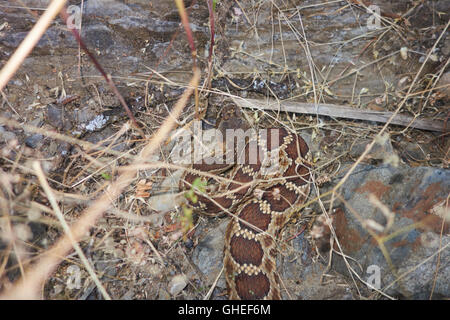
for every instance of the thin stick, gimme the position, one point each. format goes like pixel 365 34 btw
pixel 210 291
pixel 51 198
pixel 338 111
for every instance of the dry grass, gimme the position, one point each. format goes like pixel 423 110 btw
pixel 81 199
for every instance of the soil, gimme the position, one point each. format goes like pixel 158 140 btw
pixel 304 51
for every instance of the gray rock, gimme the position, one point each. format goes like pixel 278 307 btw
pixel 208 255
pixel 34 140
pixel 6 135
pixel 177 284
pixel 302 276
pixel 55 117
pixel 414 196
pixel 169 198
pixel 381 150
pixel 445 81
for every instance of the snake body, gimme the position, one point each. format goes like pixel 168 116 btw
pixel 260 202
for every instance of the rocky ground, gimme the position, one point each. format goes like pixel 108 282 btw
pixel 389 235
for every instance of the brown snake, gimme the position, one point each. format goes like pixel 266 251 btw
pixel 260 201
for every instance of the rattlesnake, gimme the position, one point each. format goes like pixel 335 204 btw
pixel 259 200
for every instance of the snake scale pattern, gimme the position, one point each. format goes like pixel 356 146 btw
pixel 260 203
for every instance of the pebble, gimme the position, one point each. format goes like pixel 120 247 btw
pixel 177 284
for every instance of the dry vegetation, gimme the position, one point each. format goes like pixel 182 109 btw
pixel 79 227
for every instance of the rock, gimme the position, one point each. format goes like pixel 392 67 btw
pixel 63 148
pixel 444 82
pixel 6 135
pixel 177 284
pixel 412 151
pixel 208 255
pixel 410 232
pixel 55 118
pixel 109 7
pixel 170 199
pixel 381 150
pixel 163 294
pixel 102 136
pixel 97 123
pixel 302 276
pixel 34 140
pixel 82 119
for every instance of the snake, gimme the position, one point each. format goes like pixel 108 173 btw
pixel 259 196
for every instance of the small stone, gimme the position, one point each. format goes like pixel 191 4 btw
pixel 54 116
pixel 189 243
pixel 381 150
pixel 444 82
pixel 208 254
pixel 177 284
pixel 163 294
pixel 33 141
pixel 6 135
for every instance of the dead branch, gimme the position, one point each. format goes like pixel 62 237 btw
pixel 338 111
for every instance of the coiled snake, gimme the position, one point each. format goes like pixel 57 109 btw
pixel 260 199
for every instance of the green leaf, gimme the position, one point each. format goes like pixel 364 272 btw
pixel 106 176
pixel 199 185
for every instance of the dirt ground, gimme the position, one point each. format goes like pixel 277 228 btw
pixel 332 52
